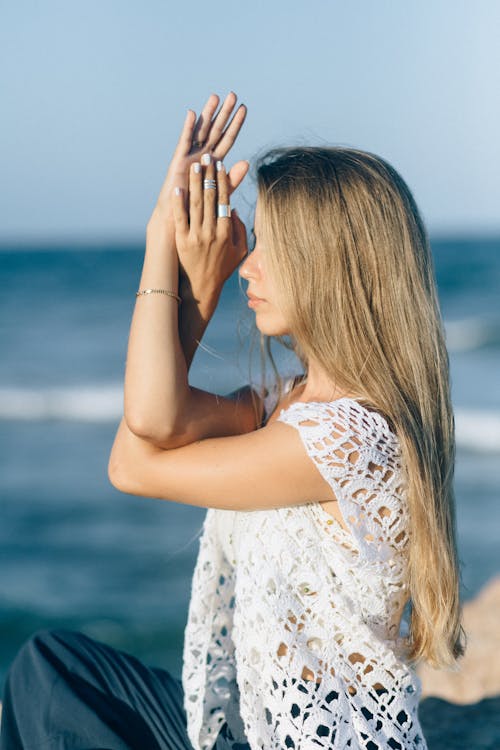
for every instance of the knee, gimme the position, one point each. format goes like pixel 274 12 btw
pixel 38 650
pixel 32 674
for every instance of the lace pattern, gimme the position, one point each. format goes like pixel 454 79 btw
pixel 293 626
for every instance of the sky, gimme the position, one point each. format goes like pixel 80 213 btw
pixel 93 96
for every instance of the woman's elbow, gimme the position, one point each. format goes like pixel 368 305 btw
pixel 159 436
pixel 116 475
pixel 119 473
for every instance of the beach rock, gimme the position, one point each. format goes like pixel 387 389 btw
pixel 479 670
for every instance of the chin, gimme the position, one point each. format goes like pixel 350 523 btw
pixel 271 327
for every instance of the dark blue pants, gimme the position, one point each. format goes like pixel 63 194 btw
pixel 66 691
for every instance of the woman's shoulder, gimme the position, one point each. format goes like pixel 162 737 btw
pixel 344 419
pixel 350 417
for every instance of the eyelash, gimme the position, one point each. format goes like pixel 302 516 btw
pixel 252 240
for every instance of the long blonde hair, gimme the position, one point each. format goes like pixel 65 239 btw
pixel 351 261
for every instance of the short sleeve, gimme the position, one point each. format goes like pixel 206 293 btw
pixel 358 455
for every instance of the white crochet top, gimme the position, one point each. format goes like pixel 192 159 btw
pixel 293 631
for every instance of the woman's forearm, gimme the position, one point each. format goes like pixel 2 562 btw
pixel 185 228
pixel 195 313
pixel 156 375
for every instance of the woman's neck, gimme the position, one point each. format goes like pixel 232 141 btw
pixel 316 386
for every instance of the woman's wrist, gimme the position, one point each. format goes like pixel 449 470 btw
pixel 201 294
pixel 159 238
pixel 195 313
pixel 160 229
pixel 161 265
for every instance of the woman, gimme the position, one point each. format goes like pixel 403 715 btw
pixel 329 495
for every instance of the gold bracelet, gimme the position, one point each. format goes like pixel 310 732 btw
pixel 159 291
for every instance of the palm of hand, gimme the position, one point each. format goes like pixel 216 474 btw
pixel 198 137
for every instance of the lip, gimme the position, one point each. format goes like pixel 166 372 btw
pixel 254 301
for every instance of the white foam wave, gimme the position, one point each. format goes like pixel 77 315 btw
pixel 81 404
pixel 471 333
pixel 476 429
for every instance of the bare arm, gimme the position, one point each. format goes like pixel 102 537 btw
pixel 267 468
pixel 195 314
pixel 213 415
pixel 160 406
pixel 156 377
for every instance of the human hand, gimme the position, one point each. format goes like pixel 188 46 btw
pixel 209 247
pixel 199 136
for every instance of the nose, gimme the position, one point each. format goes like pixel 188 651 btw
pixel 250 268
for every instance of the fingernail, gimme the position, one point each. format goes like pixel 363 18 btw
pixel 218 165
pixel 177 190
pixel 205 159
pixel 197 167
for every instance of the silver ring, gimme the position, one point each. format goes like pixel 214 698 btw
pixel 209 184
pixel 223 211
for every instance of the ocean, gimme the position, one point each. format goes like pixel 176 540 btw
pixel 76 552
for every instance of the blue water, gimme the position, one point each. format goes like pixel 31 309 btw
pixel 77 553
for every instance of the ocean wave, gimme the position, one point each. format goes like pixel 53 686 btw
pixel 468 334
pixel 476 429
pixel 80 404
